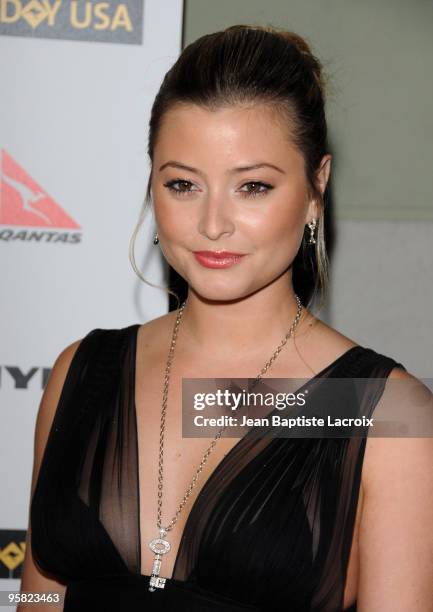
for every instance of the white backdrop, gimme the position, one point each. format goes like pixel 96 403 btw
pixel 73 131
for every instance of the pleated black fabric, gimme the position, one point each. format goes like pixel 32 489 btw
pixel 270 530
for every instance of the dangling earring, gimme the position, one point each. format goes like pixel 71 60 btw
pixel 155 238
pixel 312 226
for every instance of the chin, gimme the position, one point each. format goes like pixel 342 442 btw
pixel 219 292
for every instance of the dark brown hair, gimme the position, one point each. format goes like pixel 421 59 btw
pixel 247 64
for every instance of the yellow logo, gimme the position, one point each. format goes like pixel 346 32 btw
pixel 109 16
pixel 13 554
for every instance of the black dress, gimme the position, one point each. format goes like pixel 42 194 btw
pixel 270 530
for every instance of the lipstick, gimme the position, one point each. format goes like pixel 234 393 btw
pixel 217 259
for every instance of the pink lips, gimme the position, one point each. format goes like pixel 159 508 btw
pixel 217 259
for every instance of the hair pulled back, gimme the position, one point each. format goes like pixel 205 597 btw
pixel 247 64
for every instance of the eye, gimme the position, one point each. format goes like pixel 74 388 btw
pixel 180 186
pixel 255 188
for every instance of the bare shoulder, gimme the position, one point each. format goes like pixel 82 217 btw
pixel 400 374
pixel 396 535
pixel 385 456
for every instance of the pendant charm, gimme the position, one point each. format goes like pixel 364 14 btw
pixel 159 546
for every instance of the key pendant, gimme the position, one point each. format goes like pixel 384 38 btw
pixel 159 546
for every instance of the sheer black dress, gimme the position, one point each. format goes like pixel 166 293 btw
pixel 270 530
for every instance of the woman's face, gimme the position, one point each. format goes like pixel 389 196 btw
pixel 229 180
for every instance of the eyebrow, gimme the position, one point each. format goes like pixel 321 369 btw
pixel 175 164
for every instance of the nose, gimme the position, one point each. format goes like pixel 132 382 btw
pixel 216 217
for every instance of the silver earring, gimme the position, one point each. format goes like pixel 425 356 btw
pixel 155 238
pixel 312 226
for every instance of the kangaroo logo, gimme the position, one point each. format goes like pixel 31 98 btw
pixel 23 202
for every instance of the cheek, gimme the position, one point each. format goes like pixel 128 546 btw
pixel 170 216
pixel 174 228
pixel 282 225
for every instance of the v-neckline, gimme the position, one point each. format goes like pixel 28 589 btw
pixel 220 465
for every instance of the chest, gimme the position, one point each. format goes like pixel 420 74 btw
pixel 178 482
pixel 181 458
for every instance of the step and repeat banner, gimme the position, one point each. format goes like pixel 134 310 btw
pixel 77 83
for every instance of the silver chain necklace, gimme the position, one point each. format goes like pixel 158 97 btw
pixel 159 546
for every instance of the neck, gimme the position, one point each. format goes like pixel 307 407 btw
pixel 249 325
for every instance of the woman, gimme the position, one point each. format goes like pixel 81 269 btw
pixel 120 516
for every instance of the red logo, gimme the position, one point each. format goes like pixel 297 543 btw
pixel 24 202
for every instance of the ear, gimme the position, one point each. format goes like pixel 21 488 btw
pixel 322 176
